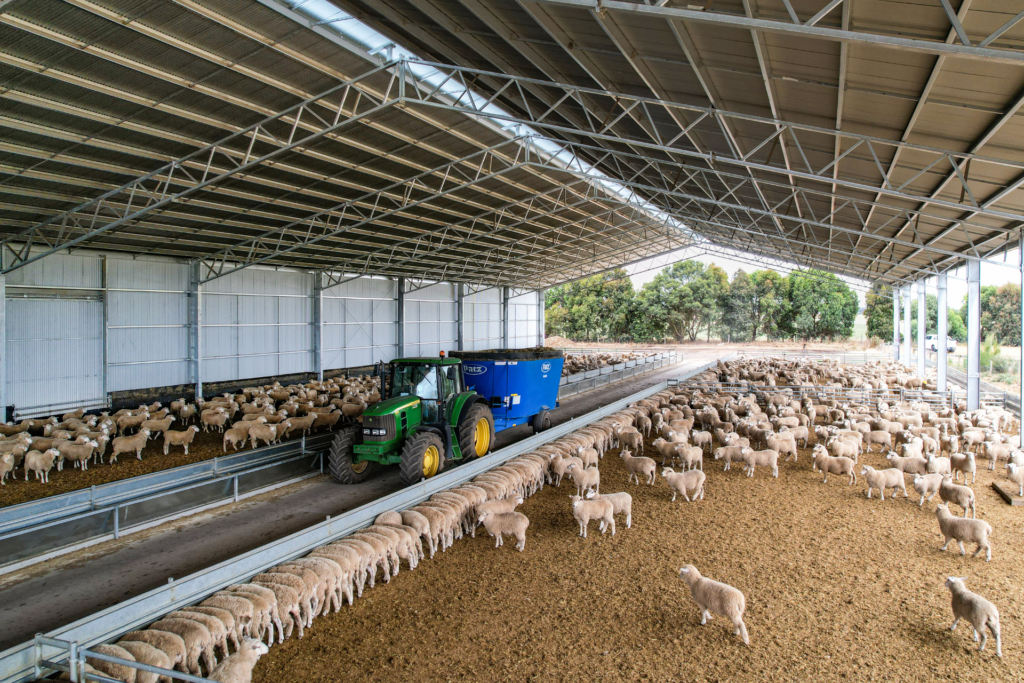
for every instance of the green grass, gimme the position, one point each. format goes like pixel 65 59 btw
pixel 860 328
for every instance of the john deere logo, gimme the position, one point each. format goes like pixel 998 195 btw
pixel 475 369
pixel 545 367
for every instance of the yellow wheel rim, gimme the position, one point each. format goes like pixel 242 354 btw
pixel 483 436
pixel 431 459
pixel 360 467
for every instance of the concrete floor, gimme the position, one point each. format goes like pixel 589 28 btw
pixel 55 593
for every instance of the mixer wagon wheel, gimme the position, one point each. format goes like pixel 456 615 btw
pixel 342 468
pixel 476 432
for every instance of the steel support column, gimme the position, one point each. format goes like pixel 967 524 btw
pixel 460 313
pixel 318 324
pixel 896 324
pixel 906 327
pixel 3 348
pixel 105 330
pixel 942 332
pixel 542 295
pixel 504 317
pixel 1020 256
pixel 400 332
pixel 195 326
pixel 973 334
pixel 922 322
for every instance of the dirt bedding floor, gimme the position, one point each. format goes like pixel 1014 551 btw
pixel 838 587
pixel 205 446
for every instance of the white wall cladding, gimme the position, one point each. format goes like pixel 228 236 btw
pixel 359 323
pixel 523 316
pixel 431 320
pixel 54 351
pixel 482 328
pixel 257 323
pixel 147 323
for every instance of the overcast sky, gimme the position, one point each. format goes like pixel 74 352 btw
pixel 956 280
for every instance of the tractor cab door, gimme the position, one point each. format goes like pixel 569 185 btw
pixel 451 385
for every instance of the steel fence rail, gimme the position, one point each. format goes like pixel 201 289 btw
pixel 20 663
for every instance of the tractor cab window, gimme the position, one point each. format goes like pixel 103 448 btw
pixel 418 380
pixel 451 382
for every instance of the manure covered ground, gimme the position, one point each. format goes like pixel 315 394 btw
pixel 838 587
pixel 205 446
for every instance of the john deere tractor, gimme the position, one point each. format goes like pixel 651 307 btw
pixel 425 421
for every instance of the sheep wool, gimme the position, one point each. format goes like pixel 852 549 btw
pixel 718 598
pixel 979 613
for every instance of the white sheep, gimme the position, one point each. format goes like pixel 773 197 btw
pixel 927 485
pixel 506 523
pixel 238 667
pixel 585 510
pixel 1015 473
pixel 766 458
pixel 891 478
pixel 638 466
pixel 622 503
pixel 130 444
pixel 40 463
pixel 183 438
pixel 964 464
pixel 961 495
pixel 716 597
pixel 964 531
pixel 589 478
pixel 683 482
pixel 978 611
pixel 940 465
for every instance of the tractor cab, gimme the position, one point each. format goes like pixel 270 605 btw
pixel 436 382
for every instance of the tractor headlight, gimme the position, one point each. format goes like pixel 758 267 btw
pixel 367 432
pixel 379 432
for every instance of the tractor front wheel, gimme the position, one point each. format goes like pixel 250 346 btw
pixel 421 457
pixel 343 469
pixel 476 432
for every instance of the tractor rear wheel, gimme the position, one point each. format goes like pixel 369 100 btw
pixel 342 468
pixel 476 432
pixel 421 457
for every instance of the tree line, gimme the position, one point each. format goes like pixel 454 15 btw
pixel 1000 314
pixel 691 300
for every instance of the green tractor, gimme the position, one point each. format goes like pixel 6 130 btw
pixel 425 421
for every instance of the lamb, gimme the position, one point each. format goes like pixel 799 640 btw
pixel 217 628
pixel 719 598
pixel 908 465
pixel 622 503
pixel 238 667
pixel 184 438
pixel 129 444
pixel 587 478
pixel 241 610
pixel 729 453
pixel 961 495
pixel 6 467
pixel 155 427
pixel 198 642
pixel 767 458
pixel 702 439
pixel 147 654
pixel 126 422
pixel 638 466
pixel 171 644
pixel 263 432
pixel 783 443
pixel 633 440
pixel 964 531
pixel 288 606
pixel 1015 473
pixel 510 523
pixel 682 482
pixel 40 463
pixel 559 467
pixel 79 453
pixel 599 508
pixel 500 505
pixel 879 437
pixel 891 478
pixel 964 464
pixel 978 611
pixel 829 465
pixel 841 448
pixel 120 672
pixel 940 465
pixel 927 485
pixel 995 452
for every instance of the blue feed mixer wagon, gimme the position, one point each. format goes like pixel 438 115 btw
pixel 520 384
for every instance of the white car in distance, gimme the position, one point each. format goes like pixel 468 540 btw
pixel 931 342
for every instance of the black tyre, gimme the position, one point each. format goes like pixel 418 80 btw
pixel 422 454
pixel 541 422
pixel 476 432
pixel 342 468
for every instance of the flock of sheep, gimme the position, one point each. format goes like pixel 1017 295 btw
pixel 755 427
pixel 583 362
pixel 257 415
